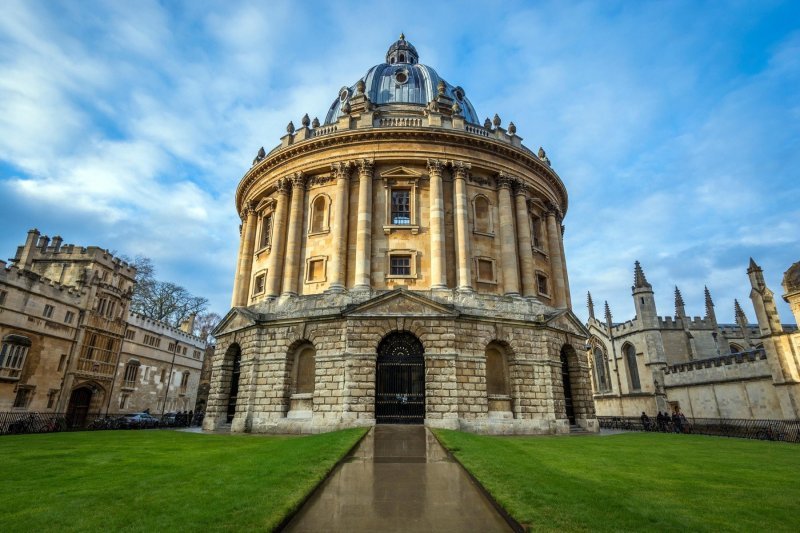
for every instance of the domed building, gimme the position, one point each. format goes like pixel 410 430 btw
pixel 401 263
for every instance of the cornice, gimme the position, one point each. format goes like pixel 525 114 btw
pixel 367 136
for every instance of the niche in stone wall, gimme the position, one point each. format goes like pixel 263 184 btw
pixel 303 376
pixel 498 391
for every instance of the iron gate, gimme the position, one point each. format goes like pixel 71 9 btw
pixel 400 380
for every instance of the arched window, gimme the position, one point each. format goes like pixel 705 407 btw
pixel 496 372
pixel 736 349
pixel 304 374
pixel 600 370
pixel 131 371
pixel 13 352
pixel 633 367
pixel 482 214
pixel 319 214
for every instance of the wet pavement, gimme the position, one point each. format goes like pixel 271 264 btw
pixel 399 478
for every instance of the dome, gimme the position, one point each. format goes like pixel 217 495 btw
pixel 402 80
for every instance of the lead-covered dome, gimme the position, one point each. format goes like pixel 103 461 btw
pixel 402 80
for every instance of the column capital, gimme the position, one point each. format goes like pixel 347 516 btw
pixel 365 167
pixel 520 188
pixel 553 210
pixel 505 181
pixel 341 170
pixel 298 180
pixel 435 167
pixel 248 209
pixel 282 186
pixel 461 169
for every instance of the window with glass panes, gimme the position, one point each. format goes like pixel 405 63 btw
pixel 401 206
pixel 400 265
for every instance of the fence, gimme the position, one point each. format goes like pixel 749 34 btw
pixel 782 430
pixel 12 423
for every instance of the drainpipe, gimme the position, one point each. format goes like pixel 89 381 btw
pixel 169 378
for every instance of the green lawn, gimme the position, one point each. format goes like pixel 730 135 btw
pixel 160 480
pixel 636 481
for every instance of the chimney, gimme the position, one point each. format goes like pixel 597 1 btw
pixel 26 257
pixel 57 240
pixel 188 325
pixel 44 240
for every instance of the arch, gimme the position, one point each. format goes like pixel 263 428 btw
pixel 232 362
pixel 84 398
pixel 482 215
pixel 304 369
pixel 629 351
pixel 735 348
pixel 400 379
pixel 498 386
pixel 568 360
pixel 319 214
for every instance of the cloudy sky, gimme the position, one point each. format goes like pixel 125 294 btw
pixel 674 125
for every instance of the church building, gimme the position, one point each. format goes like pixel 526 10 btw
pixel 401 262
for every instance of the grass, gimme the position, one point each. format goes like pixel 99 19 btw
pixel 636 482
pixel 160 480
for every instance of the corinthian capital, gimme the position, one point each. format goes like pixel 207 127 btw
pixel 505 181
pixel 282 186
pixel 298 180
pixel 365 167
pixel 435 167
pixel 340 170
pixel 520 188
pixel 461 169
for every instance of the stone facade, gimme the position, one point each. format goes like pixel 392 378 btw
pixel 71 345
pixel 400 214
pixel 696 365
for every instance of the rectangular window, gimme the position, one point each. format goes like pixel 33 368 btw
pixel 184 350
pixel 51 398
pixel 184 381
pixel 163 375
pixel 3 295
pixel 23 397
pixel 62 362
pixel 315 272
pixel 536 232
pixel 48 311
pixel 266 231
pixel 486 270
pixel 258 285
pixel 130 334
pixel 196 354
pixel 131 370
pixel 400 265
pixel 101 306
pixel 541 283
pixel 69 317
pixel 123 400
pixel 171 347
pixel 401 207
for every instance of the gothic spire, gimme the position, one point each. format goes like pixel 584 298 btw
pixel 680 307
pixel 639 281
pixel 608 315
pixel 590 304
pixel 709 305
pixel 741 318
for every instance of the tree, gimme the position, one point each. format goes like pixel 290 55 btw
pixel 204 324
pixel 162 300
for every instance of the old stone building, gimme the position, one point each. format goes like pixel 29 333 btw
pixel 401 262
pixel 71 345
pixel 696 365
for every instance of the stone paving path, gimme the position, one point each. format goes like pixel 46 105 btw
pixel 399 478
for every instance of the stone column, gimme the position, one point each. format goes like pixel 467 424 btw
pixel 436 209
pixel 246 264
pixel 567 297
pixel 524 241
pixel 275 263
pixel 364 228
pixel 291 267
pixel 508 246
pixel 460 173
pixel 237 276
pixel 554 251
pixel 341 206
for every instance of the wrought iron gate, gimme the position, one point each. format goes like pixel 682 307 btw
pixel 400 380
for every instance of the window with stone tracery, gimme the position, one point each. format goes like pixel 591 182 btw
pixel 633 367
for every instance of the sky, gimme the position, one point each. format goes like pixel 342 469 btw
pixel 675 126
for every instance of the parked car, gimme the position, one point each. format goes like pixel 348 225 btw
pixel 141 420
pixel 169 419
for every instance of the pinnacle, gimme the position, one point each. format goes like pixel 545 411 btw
pixel 739 312
pixel 590 304
pixel 709 301
pixel 608 313
pixel 679 305
pixel 639 281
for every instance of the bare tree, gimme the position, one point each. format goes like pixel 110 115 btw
pixel 162 300
pixel 204 324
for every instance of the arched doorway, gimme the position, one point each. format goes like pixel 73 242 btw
pixel 78 407
pixel 400 380
pixel 235 353
pixel 570 409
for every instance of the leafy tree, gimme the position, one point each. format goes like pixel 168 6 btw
pixel 162 300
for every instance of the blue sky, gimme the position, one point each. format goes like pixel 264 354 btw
pixel 674 125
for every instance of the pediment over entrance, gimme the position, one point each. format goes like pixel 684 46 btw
pixel 566 320
pixel 400 303
pixel 236 319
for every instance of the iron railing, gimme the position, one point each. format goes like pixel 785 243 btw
pixel 12 423
pixel 782 430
